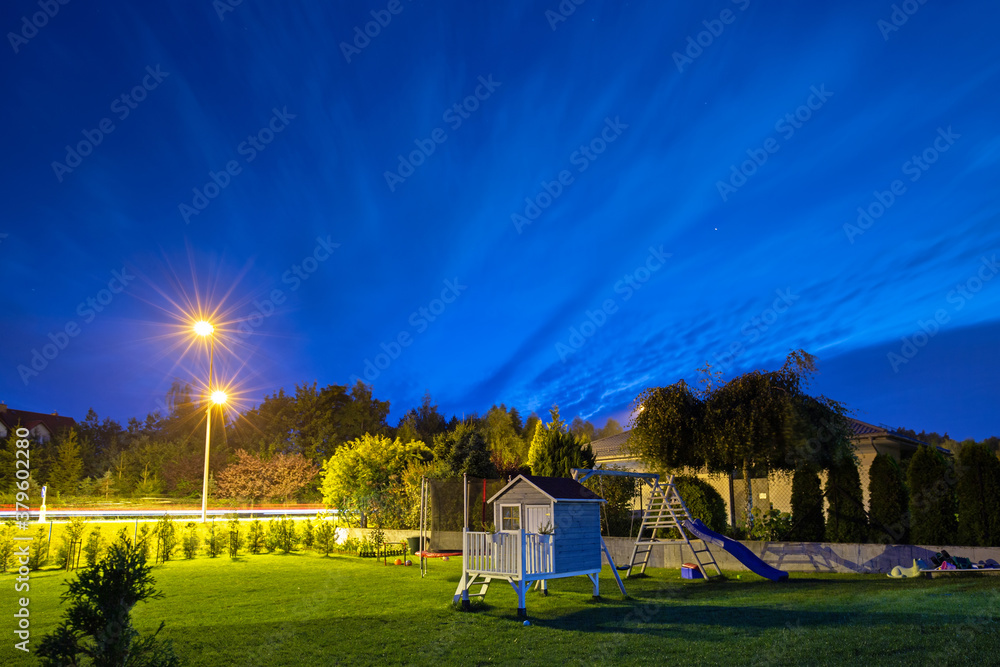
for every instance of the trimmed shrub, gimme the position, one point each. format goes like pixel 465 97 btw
pixel 286 538
pixel 846 521
pixel 38 555
pixel 888 502
pixel 978 496
pixel 808 524
pixel 308 537
pixel 932 498
pixel 325 535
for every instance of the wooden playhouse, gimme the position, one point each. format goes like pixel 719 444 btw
pixel 546 528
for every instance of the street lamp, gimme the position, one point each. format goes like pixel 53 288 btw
pixel 204 329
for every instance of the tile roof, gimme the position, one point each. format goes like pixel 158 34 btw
pixel 559 488
pixel 28 419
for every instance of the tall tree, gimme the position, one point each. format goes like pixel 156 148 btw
pixel 555 451
pixel 67 466
pixel 978 496
pixel 932 498
pixel 611 427
pixel 888 501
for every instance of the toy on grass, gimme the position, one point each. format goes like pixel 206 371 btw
pixel 444 558
pixel 398 561
pixel 408 563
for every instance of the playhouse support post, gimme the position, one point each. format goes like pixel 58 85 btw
pixel 522 611
pixel 597 585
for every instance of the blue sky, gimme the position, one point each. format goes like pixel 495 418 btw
pixel 622 194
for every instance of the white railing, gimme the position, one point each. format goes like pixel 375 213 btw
pixel 512 554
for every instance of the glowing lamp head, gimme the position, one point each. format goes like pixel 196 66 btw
pixel 203 328
pixel 219 397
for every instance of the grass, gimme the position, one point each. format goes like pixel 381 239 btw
pixel 303 609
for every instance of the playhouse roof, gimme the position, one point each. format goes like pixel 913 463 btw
pixel 556 488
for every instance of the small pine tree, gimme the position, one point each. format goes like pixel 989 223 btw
pixel 94 546
pixel 67 466
pixel 213 540
pixel 287 538
pixel 847 521
pixel 144 540
pixel 236 538
pixel 38 555
pixel 166 538
pixel 72 543
pixel 256 538
pixel 190 541
pixel 308 537
pixel 888 501
pixel 808 524
pixel 273 539
pixel 978 496
pixel 7 531
pixel 325 533
pixel 932 498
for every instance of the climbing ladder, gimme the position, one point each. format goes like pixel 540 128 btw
pixel 666 510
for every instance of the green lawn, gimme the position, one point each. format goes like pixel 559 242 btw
pixel 308 610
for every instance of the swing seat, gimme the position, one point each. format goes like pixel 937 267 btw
pixel 622 567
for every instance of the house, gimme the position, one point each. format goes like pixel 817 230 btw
pixel 42 427
pixel 776 489
pixel 547 528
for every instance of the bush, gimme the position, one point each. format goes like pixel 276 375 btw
pixel 190 541
pixel 100 612
pixel 808 524
pixel 770 525
pixel 271 541
pixel 620 494
pixel 213 541
pixel 144 540
pixel 978 496
pixel 932 498
pixel 703 502
pixel 166 538
pixel 92 549
pixel 846 521
pixel 256 539
pixel 888 501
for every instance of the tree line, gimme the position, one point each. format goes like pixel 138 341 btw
pixel 276 449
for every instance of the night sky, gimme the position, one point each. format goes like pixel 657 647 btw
pixel 529 203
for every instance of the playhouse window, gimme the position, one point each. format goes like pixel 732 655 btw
pixel 510 517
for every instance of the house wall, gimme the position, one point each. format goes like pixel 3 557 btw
pixel 522 494
pixel 577 536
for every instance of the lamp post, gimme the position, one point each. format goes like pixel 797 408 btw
pixel 204 329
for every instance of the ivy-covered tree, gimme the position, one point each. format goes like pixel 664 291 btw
pixel 808 523
pixel 932 498
pixel 978 496
pixel 888 501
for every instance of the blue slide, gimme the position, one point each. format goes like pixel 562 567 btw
pixel 740 552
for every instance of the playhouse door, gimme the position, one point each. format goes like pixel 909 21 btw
pixel 539 516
